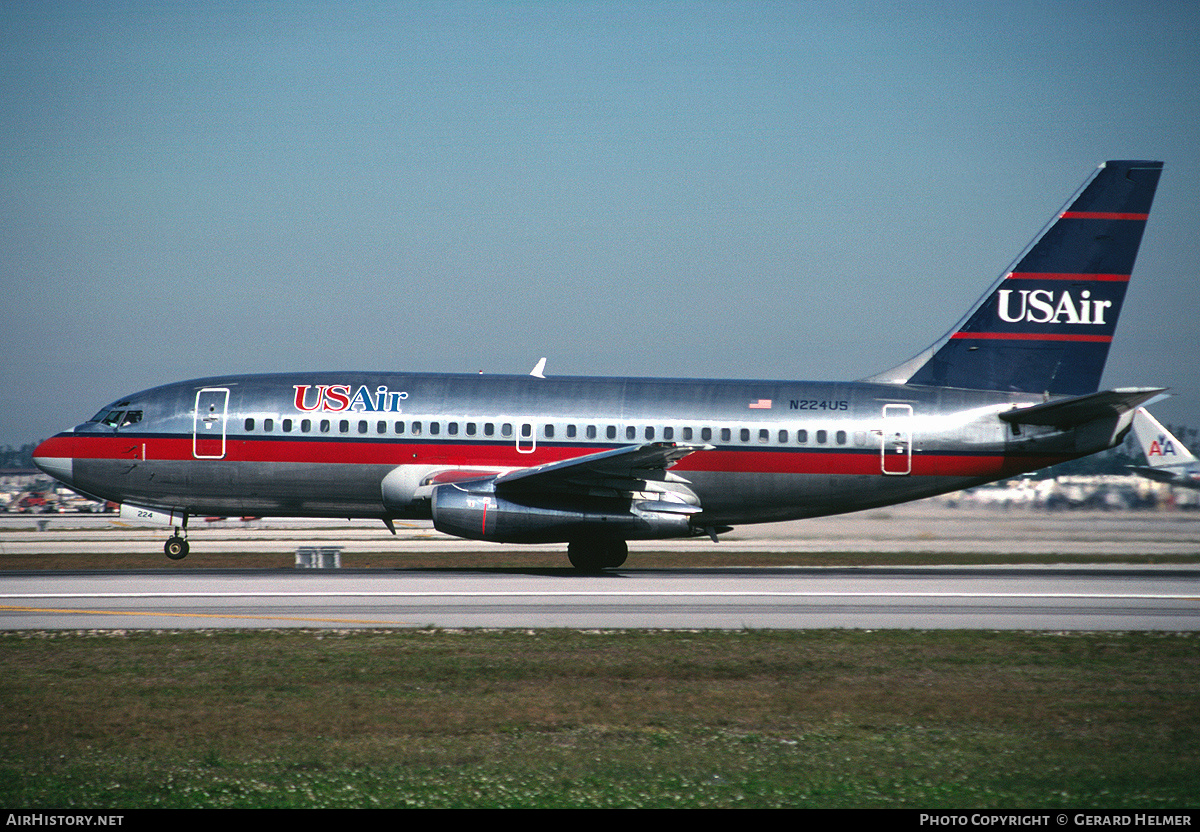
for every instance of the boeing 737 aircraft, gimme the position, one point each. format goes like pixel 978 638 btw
pixel 1169 459
pixel 596 462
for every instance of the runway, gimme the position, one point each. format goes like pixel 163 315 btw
pixel 146 591
pixel 1033 598
pixel 923 526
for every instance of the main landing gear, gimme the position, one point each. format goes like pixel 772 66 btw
pixel 176 547
pixel 592 555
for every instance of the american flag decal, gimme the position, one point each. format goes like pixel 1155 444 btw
pixel 761 404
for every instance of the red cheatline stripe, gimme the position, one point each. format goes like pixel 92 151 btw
pixel 1033 336
pixel 1112 278
pixel 1101 215
pixel 791 460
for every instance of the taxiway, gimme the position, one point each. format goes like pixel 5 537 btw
pixel 1103 595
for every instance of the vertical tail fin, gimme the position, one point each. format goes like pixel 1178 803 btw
pixel 1162 450
pixel 1046 325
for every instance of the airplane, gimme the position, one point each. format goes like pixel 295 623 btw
pixel 1169 459
pixel 596 462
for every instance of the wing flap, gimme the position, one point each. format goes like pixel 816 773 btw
pixel 621 469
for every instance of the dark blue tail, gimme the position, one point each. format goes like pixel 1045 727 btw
pixel 1046 326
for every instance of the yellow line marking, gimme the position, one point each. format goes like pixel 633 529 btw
pixel 205 615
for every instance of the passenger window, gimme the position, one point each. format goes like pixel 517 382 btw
pixel 506 431
pixel 489 429
pixel 362 426
pixel 287 425
pixel 841 437
pixel 570 431
pixel 548 431
pixel 249 424
pixel 381 427
pixel 591 431
pixel 416 429
pixel 668 434
pixel 612 431
pixel 306 426
pixel 470 428
pixel 706 434
pixel 324 426
pixel 399 427
pixel 435 428
pixel 802 437
pixel 822 436
pixel 452 428
pixel 268 425
pixel 649 432
pixel 726 434
pixel 764 435
pixel 344 425
pixel 687 434
pixel 783 436
pixel 745 434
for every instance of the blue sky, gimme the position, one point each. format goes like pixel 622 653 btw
pixel 754 190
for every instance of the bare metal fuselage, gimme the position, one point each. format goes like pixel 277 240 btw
pixel 373 444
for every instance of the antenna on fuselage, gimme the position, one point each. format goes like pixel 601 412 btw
pixel 539 368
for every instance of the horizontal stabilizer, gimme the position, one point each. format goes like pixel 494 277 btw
pixel 1079 410
pixel 1160 474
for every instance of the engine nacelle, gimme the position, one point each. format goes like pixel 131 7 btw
pixel 474 511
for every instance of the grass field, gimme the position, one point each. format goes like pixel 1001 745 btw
pixel 554 718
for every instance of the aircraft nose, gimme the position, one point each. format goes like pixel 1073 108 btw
pixel 53 458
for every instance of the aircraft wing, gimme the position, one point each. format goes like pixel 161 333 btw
pixel 620 469
pixel 1079 410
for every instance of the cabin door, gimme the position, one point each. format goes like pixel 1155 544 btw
pixel 208 423
pixel 895 448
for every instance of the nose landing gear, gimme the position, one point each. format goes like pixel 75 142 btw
pixel 176 547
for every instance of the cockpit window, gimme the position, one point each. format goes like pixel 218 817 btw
pixel 117 418
pixel 111 415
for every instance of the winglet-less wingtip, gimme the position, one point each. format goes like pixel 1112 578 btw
pixel 539 369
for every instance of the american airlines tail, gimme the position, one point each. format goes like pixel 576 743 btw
pixel 1161 448
pixel 1046 325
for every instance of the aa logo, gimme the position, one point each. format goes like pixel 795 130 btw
pixel 1162 446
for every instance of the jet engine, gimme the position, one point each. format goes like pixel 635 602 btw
pixel 473 510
